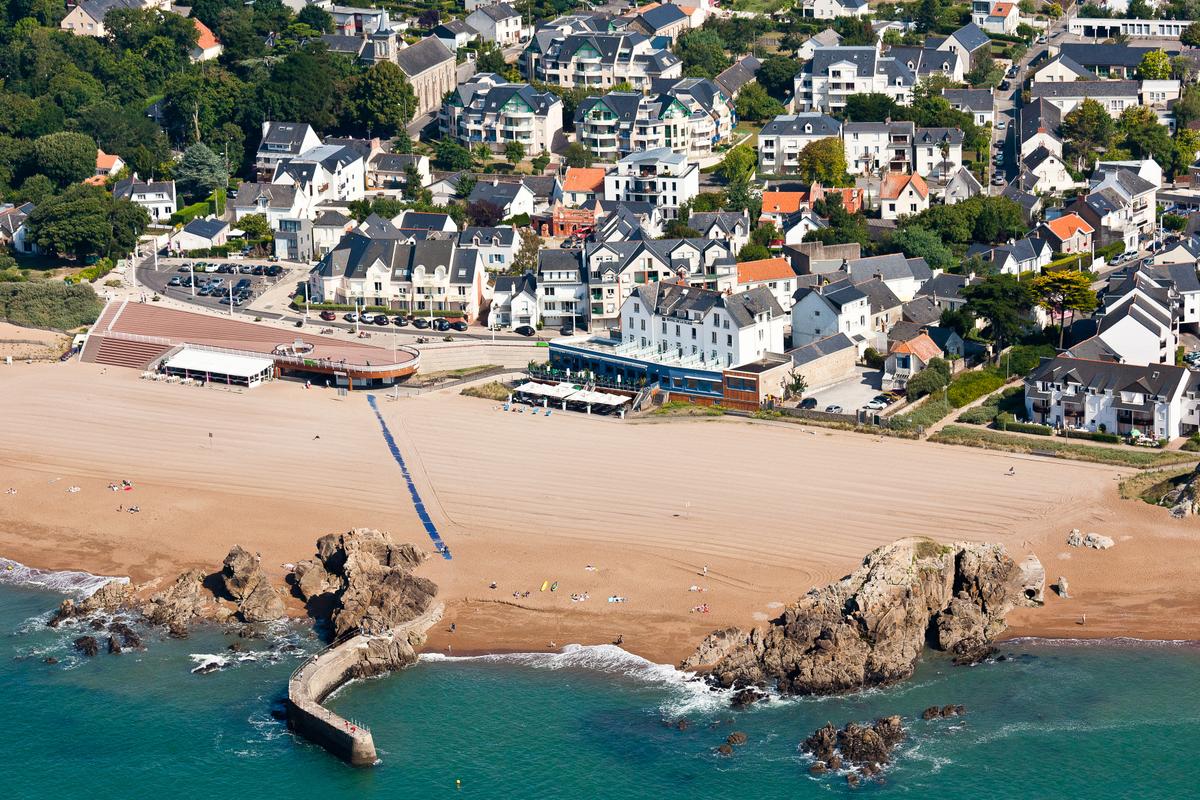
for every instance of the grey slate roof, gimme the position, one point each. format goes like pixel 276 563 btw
pixel 1090 55
pixel 423 56
pixel 881 298
pixel 125 189
pixel 724 221
pixel 11 219
pixel 286 134
pixel 517 284
pixel 1161 380
pixel 928 136
pixel 344 45
pixel 812 351
pixel 662 16
pixel 205 228
pixel 1040 115
pixel 1069 63
pixel 503 236
pixel 971 99
pixel 810 123
pixel 738 75
pixel 972 37
pixel 278 195
pixel 1071 89
pixel 498 11
pixel 98 9
pixel 673 300
pixel 892 266
pixel 394 162
pixel 422 220
pixel 359 249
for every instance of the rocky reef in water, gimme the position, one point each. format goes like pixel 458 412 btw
pixel 869 628
pixel 362 581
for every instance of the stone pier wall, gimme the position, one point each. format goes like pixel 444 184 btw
pixel 324 674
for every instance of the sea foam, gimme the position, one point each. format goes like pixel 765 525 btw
pixel 689 694
pixel 71 582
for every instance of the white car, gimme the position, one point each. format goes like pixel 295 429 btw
pixel 999 124
pixel 875 405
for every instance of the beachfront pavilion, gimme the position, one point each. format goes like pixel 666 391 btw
pixel 624 366
pixel 564 394
pixel 211 366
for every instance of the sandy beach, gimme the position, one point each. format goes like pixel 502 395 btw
pixel 771 508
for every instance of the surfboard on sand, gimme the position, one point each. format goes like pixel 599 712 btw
pixel 545 585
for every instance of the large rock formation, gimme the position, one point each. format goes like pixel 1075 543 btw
pixel 366 579
pixel 866 747
pixel 111 597
pixel 181 603
pixel 1184 498
pixel 248 585
pixel 869 628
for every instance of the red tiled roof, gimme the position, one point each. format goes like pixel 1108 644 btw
pixel 207 38
pixel 920 346
pixel 583 179
pixel 1068 225
pixel 782 202
pixel 766 269
pixel 895 182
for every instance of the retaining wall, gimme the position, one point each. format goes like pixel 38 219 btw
pixel 440 356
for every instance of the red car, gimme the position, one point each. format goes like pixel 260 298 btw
pixel 328 316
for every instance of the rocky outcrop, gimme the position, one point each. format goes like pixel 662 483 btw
pixel 941 712
pixel 248 585
pixel 110 598
pixel 1184 498
pixel 1092 540
pixel 367 581
pixel 869 628
pixel 867 748
pixel 181 603
pixel 87 645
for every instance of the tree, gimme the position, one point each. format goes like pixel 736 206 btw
pixel 765 234
pixel 708 201
pixel 777 75
pixel 1144 136
pixel 256 226
pixel 927 381
pixel 1061 291
pixel 917 242
pixel 754 104
pixel 484 213
pixel 795 385
pixel 753 252
pixel 738 164
pixel 1140 9
pixel 1191 35
pixel 539 163
pixel 85 221
pixel 429 18
pixel 1155 66
pixel 527 256
pixel 201 171
pixel 823 161
pixel 870 107
pixel 926 15
pixel 318 18
pixel 491 59
pixel 65 157
pixel 382 100
pixel 451 155
pixel 1086 130
pixel 702 52
pixel 678 229
pixel 577 154
pixel 1003 301
pixel 960 320
pixel 984 72
pixel 514 151
pixel 844 227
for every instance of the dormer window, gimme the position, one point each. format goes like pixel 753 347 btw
pixel 808 128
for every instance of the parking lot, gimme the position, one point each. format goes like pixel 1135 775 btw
pixel 851 394
pixel 215 280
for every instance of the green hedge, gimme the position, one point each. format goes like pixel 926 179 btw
pixel 1093 436
pixel 930 410
pixel 188 213
pixel 1022 359
pixel 298 305
pixel 92 273
pixel 1108 252
pixel 1073 260
pixel 1027 427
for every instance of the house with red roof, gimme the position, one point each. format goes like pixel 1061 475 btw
pixel 903 195
pixel 1069 233
pixel 207 45
pixel 776 274
pixel 905 359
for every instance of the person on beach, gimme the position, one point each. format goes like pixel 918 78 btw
pixel 1012 470
pixel 705 572
pixel 453 627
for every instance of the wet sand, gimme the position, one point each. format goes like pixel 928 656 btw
pixel 772 508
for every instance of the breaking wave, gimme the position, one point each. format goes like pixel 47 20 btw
pixel 69 582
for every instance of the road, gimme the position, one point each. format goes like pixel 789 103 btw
pixel 156 281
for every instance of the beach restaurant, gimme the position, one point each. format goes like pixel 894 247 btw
pixel 211 366
pixel 566 393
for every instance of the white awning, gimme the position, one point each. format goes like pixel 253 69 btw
pixel 214 363
pixel 598 398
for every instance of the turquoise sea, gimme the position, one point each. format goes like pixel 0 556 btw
pixel 1054 721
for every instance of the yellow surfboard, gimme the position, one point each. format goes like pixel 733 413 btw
pixel 545 584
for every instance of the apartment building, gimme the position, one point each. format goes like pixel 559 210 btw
pixel 689 116
pixel 835 73
pixel 782 139
pixel 600 60
pixel 488 109
pixel 660 177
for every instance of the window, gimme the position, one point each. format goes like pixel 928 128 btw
pixel 729 341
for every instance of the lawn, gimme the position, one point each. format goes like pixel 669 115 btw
pixel 1118 456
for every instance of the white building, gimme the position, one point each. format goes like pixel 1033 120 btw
pixel 979 103
pixel 691 116
pixel 497 247
pixel 324 173
pixel 782 139
pixel 514 302
pixel 491 110
pixel 599 60
pixel 715 329
pixel 1114 96
pixel 157 197
pixel 829 309
pixel 499 23
pixel 937 152
pixel 832 9
pixel 1115 398
pixel 902 195
pixel 660 177
pixel 280 143
pixel 834 73
pixel 996 17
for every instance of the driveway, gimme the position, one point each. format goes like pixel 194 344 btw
pixel 850 394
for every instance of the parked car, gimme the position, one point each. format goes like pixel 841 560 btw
pixel 184 268
pixel 459 325
pixel 420 322
pixel 1005 86
pixel 524 330
pixel 875 405
pixel 833 409
pixel 400 322
pixel 328 316
pixel 258 269
pixel 808 403
pixel 175 281
pixel 382 320
pixel 350 317
pixel 567 330
pixel 441 324
pixel 1000 124
pixel 997 179
pixel 211 267
pixel 245 269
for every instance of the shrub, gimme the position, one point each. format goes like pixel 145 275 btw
pixel 1022 359
pixel 1192 445
pixel 1094 436
pixel 49 305
pixel 927 381
pixel 92 273
pixel 188 213
pixel 926 413
pixel 981 415
pixel 873 358
pixel 970 386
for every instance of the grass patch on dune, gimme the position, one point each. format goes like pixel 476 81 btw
pixel 1151 486
pixel 679 408
pixel 995 440
pixel 492 390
